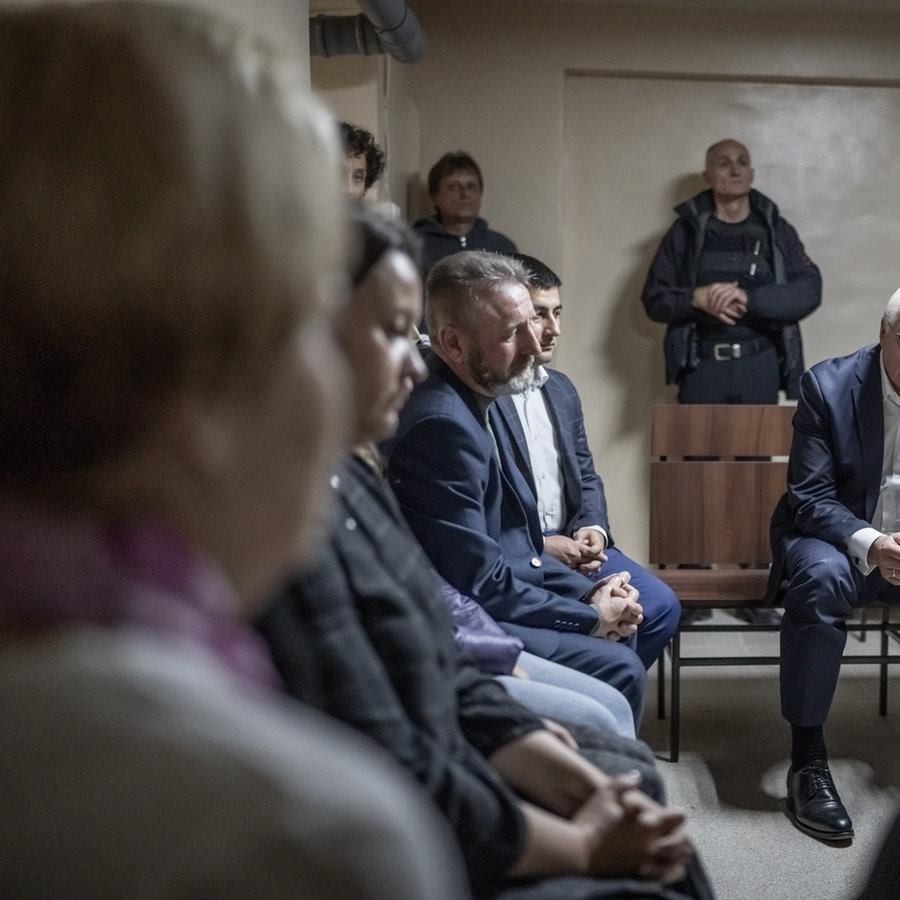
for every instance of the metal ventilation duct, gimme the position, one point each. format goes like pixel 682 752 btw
pixel 384 26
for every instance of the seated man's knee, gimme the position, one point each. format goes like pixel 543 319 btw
pixel 824 581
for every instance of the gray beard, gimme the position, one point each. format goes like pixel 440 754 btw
pixel 518 384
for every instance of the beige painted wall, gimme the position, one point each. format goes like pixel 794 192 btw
pixel 378 94
pixel 283 23
pixel 583 161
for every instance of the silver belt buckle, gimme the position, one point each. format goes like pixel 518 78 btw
pixel 718 349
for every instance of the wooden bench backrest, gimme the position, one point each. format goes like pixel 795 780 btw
pixel 714 507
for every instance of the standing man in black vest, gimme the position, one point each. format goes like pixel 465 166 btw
pixel 732 280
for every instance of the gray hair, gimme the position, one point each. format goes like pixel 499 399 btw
pixel 892 310
pixel 458 286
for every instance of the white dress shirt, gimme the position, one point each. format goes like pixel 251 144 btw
pixel 887 511
pixel 543 452
pixel 540 436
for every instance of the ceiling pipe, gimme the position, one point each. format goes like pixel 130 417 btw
pixel 384 26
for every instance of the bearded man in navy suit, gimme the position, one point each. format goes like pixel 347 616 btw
pixel 466 500
pixel 546 435
pixel 836 543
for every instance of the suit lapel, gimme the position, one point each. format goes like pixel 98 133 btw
pixel 869 421
pixel 504 418
pixel 515 471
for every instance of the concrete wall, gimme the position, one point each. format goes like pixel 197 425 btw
pixel 590 123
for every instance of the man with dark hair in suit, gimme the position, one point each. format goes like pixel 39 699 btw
pixel 545 427
pixel 836 541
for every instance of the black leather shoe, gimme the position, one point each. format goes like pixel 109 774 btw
pixel 814 804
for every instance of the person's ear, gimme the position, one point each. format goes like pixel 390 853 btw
pixel 448 340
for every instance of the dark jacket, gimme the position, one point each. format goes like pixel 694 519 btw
pixel 477 521
pixel 834 471
pixel 795 293
pixel 438 242
pixel 365 636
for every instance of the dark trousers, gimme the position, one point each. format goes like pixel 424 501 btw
pixel 617 755
pixel 695 886
pixel 751 379
pixel 824 588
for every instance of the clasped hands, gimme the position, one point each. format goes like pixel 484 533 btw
pixel 614 599
pixel 628 833
pixel 885 554
pixel 583 552
pixel 723 300
pixel 616 602
pixel 582 821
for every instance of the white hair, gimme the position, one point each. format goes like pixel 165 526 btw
pixel 892 310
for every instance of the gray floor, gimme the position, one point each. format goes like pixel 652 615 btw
pixel 734 756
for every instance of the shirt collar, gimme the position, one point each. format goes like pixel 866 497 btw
pixel 887 389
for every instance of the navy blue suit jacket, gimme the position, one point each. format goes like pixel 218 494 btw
pixel 583 489
pixel 474 517
pixel 834 471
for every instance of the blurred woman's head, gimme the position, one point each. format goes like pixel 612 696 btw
pixel 376 328
pixel 171 240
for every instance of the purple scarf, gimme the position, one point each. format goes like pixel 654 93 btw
pixel 57 572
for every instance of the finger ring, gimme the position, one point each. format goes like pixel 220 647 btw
pixel 893 573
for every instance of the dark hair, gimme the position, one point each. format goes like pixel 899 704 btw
pixel 375 236
pixel 540 275
pixel 447 165
pixel 359 142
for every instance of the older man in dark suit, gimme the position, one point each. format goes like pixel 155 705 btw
pixel 836 540
pixel 545 429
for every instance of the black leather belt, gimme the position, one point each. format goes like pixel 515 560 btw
pixel 734 349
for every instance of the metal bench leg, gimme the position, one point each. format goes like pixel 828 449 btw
pixel 674 725
pixel 661 685
pixel 883 668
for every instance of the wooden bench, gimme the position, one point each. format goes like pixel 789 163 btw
pixel 716 474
